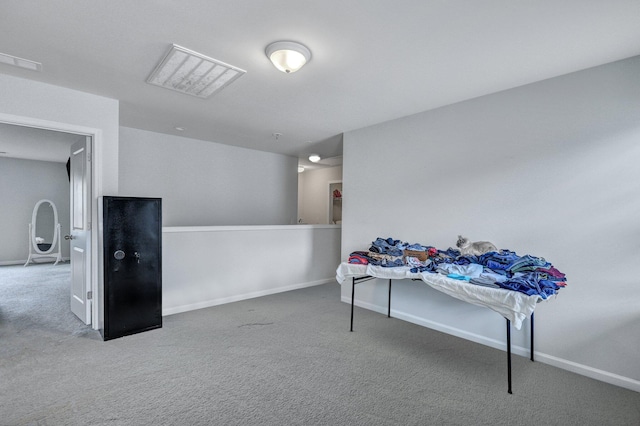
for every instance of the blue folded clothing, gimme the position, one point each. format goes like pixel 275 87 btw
pixel 459 277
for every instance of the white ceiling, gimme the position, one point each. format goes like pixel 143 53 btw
pixel 372 61
pixel 35 144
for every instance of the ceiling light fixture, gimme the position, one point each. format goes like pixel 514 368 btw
pixel 300 169
pixel 288 56
pixel 314 158
pixel 189 72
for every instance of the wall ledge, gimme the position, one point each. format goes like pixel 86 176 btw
pixel 178 229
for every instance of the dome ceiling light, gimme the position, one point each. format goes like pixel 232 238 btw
pixel 288 56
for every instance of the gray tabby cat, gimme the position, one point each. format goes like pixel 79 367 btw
pixel 476 248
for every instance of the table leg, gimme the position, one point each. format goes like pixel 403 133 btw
pixel 531 336
pixel 509 354
pixel 353 293
pixel 389 309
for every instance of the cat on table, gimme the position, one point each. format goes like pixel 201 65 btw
pixel 474 248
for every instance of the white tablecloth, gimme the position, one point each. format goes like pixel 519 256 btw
pixel 513 305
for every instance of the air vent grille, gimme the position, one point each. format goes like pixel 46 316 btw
pixel 189 72
pixel 20 62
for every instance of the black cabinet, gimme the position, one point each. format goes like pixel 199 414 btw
pixel 132 244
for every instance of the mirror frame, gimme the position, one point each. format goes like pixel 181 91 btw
pixel 55 226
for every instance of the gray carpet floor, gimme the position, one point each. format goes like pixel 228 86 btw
pixel 284 359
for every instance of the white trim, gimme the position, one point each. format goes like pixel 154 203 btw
pixel 330 203
pixel 96 190
pixel 46 124
pixel 585 370
pixel 22 262
pixel 574 367
pixel 179 229
pixel 236 298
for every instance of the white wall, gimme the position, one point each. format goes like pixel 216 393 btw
pixel 22 184
pixel 205 183
pixel 549 169
pixel 313 194
pixel 53 106
pixel 208 266
pixel 57 108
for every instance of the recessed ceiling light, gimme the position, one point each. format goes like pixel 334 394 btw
pixel 314 158
pixel 189 72
pixel 20 62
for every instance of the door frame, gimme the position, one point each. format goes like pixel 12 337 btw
pixel 96 191
pixel 330 205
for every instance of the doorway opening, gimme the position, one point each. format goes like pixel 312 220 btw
pixel 317 203
pixel 38 145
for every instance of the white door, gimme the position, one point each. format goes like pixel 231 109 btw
pixel 80 244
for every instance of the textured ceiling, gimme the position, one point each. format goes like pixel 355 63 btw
pixel 372 61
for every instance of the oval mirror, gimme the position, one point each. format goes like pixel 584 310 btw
pixel 44 220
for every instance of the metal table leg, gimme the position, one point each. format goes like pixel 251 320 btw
pixel 353 294
pixel 509 353
pixel 354 281
pixel 531 336
pixel 389 310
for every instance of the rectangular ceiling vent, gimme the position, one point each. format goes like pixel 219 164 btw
pixel 20 62
pixel 189 72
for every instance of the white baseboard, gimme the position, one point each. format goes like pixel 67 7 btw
pixel 13 262
pixel 238 297
pixel 584 370
pixel 22 262
pixel 594 373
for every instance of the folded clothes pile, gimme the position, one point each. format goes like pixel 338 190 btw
pixel 390 253
pixel 504 269
pixel 388 246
